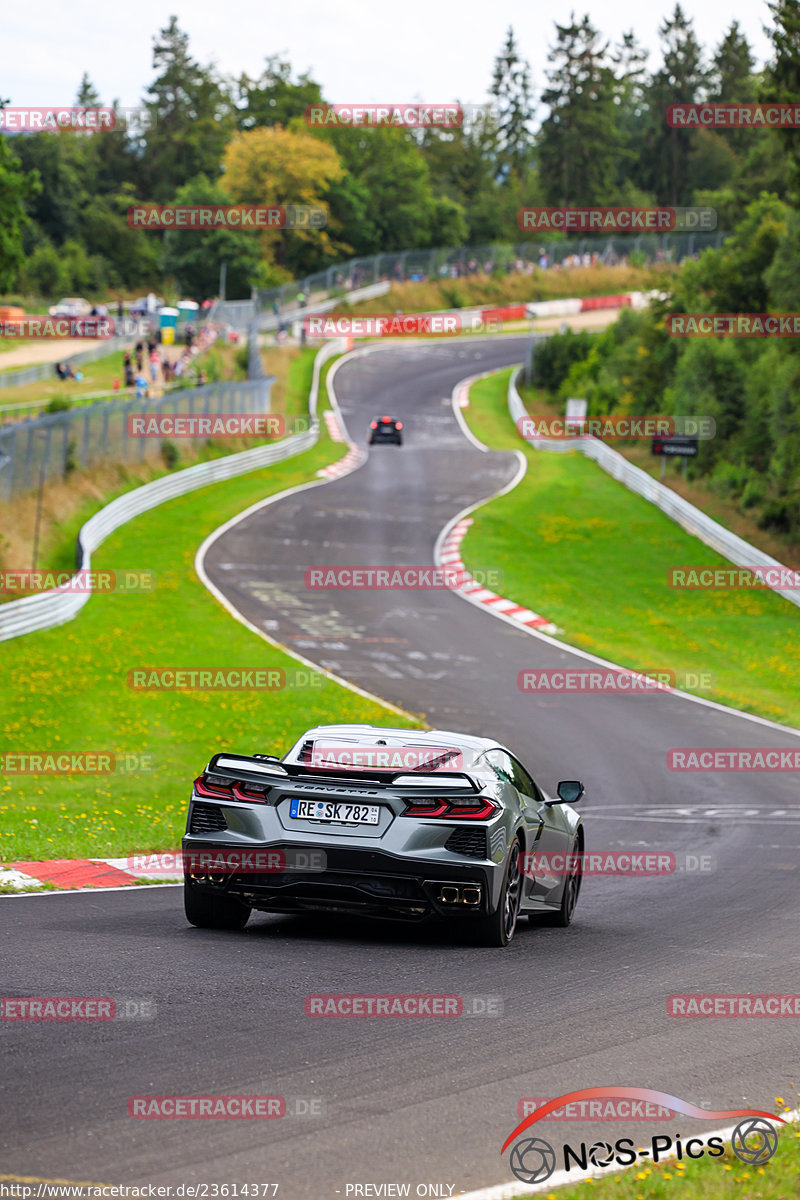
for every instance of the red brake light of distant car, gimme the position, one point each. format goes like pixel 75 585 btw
pixel 398 424
pixel 373 424
pixel 455 808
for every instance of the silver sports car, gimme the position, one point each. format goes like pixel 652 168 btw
pixel 382 822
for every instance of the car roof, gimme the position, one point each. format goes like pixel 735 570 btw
pixel 470 746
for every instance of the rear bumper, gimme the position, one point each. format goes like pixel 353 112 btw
pixel 366 882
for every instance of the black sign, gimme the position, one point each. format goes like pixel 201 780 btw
pixel 677 445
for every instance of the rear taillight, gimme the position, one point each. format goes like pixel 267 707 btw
pixel 214 787
pixel 454 808
pixel 373 424
pixel 398 425
pixel 217 787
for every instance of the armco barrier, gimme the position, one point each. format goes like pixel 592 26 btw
pixel 54 608
pixel 726 543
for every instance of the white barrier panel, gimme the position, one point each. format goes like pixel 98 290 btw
pixel 54 607
pixel 726 543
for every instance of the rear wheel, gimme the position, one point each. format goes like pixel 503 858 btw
pixel 572 887
pixel 208 911
pixel 498 928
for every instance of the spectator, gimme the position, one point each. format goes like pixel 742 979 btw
pixel 154 363
pixel 61 371
pixel 166 369
pixel 201 379
pixel 120 311
pixel 139 351
pixel 141 387
pixel 129 377
pixel 189 335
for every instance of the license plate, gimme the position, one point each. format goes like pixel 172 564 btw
pixel 335 810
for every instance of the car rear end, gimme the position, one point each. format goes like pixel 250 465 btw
pixel 287 837
pixel 386 429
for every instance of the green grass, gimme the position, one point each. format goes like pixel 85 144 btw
pixel 721 1178
pixel 591 556
pixel 66 688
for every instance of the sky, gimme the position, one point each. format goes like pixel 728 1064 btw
pixel 359 52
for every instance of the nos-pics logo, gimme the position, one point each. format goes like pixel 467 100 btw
pixel 534 1160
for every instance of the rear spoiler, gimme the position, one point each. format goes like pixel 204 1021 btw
pixel 262 767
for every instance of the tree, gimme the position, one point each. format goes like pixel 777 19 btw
pixel 277 166
pixel 273 99
pixel 194 257
pixel 782 80
pixel 578 142
pixel 88 95
pixel 666 151
pixel 190 117
pixel 511 88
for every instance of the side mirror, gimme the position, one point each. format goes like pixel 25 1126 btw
pixel 570 791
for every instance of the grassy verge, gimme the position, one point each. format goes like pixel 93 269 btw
pixel 544 406
pixel 67 689
pixel 705 1178
pixel 582 550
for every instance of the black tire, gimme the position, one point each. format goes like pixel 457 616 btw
pixel 208 911
pixel 572 886
pixel 498 928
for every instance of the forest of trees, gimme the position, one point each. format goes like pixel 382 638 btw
pixel 593 132
pixel 602 139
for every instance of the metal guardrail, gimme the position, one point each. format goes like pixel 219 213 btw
pixel 55 607
pixel 690 518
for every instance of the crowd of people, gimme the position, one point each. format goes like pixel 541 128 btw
pixel 163 369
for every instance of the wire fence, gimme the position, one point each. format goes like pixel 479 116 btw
pixel 461 262
pixel 46 449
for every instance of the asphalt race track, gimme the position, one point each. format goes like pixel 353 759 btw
pixel 427 1100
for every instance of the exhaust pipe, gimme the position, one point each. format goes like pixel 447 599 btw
pixel 467 894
